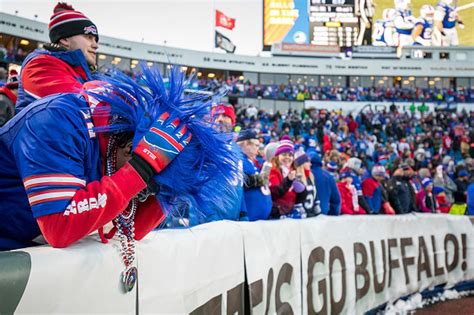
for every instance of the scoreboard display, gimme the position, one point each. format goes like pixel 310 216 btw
pixel 310 22
pixel 332 23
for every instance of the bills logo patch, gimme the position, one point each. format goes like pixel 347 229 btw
pixel 90 30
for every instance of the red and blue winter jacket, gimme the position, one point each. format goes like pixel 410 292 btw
pixel 45 72
pixel 51 177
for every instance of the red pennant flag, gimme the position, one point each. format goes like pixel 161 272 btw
pixel 224 21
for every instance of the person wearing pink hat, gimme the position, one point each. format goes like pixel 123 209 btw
pixel 284 187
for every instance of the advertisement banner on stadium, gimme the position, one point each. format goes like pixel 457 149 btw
pixel 272 260
pixel 192 271
pixel 82 279
pixel 383 259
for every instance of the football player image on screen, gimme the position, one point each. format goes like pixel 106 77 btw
pixel 445 20
pixel 404 23
pixel 384 31
pixel 366 10
pixel 424 26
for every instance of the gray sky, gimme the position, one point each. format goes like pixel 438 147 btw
pixel 181 23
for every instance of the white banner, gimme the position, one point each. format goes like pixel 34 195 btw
pixel 192 271
pixel 321 265
pixel 273 265
pixel 84 278
pixel 351 265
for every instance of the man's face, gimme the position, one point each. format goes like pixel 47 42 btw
pixel 250 148
pixel 86 43
pixel 223 123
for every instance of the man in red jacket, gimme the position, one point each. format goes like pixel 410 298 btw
pixel 65 64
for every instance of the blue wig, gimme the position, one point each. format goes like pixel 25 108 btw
pixel 133 105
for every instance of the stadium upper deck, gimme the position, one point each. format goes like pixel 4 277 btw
pixel 437 67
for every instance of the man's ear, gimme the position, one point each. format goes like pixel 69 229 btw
pixel 128 149
pixel 64 42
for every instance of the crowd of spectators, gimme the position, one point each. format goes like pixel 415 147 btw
pixel 15 55
pixel 301 92
pixel 293 164
pixel 383 162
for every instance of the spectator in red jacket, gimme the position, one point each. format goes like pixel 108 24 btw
pixel 349 197
pixel 65 64
pixel 282 180
pixel 441 199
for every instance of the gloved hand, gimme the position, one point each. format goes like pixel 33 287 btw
pixel 163 142
pixel 298 186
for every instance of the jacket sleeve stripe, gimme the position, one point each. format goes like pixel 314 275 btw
pixel 51 195
pixel 53 179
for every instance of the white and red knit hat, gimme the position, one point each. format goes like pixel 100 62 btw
pixel 66 22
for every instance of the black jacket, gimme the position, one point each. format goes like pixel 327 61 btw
pixel 401 195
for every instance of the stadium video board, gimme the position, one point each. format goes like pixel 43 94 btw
pixel 339 24
pixel 312 22
pixel 423 22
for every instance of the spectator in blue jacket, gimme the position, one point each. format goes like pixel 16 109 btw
pixel 330 200
pixel 258 199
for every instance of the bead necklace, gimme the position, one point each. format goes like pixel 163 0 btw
pixel 124 223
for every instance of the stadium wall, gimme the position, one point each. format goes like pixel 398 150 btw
pixel 459 64
pixel 322 265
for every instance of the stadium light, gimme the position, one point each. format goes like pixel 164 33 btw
pixel 117 59
pixel 102 57
pixel 134 62
pixel 241 78
pixel 431 82
pixel 24 42
pixel 411 78
pixel 199 74
pixel 149 64
pixel 437 78
pixel 211 75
